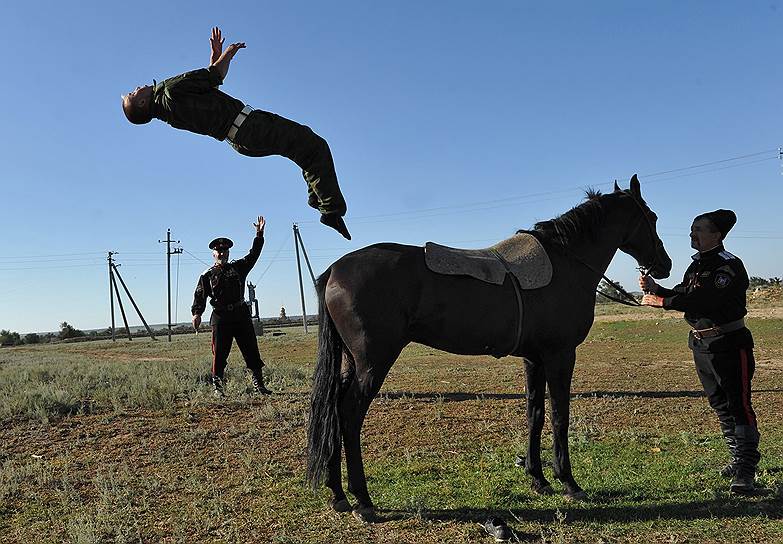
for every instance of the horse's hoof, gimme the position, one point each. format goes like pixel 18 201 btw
pixel 365 514
pixel 342 506
pixel 578 496
pixel 543 489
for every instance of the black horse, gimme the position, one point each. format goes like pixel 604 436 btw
pixel 376 300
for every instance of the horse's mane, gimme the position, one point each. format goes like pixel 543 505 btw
pixel 576 224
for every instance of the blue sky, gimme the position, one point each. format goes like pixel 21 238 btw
pixel 457 122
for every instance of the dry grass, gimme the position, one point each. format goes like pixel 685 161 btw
pixel 135 449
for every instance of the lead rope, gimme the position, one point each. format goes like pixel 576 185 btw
pixel 630 300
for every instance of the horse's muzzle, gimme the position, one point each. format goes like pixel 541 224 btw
pixel 660 272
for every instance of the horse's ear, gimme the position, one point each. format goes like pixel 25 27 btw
pixel 635 188
pixel 616 187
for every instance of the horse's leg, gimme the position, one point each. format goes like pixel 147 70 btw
pixel 559 370
pixel 360 394
pixel 536 389
pixel 334 480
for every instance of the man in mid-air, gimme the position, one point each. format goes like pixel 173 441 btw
pixel 193 102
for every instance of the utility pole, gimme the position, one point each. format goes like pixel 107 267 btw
pixel 307 261
pixel 135 306
pixel 169 253
pixel 299 271
pixel 119 301
pixel 111 294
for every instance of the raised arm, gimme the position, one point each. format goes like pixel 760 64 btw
pixel 221 59
pixel 215 45
pixel 248 261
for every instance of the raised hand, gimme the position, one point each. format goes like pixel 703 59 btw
pixel 216 45
pixel 260 225
pixel 223 60
pixel 232 49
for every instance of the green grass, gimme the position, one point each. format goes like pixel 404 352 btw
pixel 122 442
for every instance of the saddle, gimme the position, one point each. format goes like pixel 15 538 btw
pixel 521 255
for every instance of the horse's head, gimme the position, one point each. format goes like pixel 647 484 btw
pixel 641 240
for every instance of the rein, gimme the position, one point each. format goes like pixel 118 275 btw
pixel 628 299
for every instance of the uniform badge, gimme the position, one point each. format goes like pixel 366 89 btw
pixel 722 280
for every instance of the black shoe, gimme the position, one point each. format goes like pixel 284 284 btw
pixel 497 528
pixel 258 383
pixel 336 222
pixel 744 484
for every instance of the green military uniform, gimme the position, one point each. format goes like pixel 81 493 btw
pixel 193 102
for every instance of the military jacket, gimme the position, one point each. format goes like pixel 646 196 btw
pixel 225 286
pixel 712 293
pixel 192 102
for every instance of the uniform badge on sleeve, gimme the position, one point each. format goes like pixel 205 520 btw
pixel 722 280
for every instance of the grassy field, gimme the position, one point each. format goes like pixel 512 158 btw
pixel 122 442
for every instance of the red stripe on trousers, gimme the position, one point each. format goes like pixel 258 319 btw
pixel 746 388
pixel 213 353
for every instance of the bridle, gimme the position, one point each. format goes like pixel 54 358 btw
pixel 628 299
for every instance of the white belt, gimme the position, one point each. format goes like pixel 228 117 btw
pixel 232 132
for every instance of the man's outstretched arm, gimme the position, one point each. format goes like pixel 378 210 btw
pixel 219 59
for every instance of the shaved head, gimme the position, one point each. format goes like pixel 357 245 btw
pixel 137 105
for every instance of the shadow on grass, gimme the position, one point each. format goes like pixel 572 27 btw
pixel 461 397
pixel 719 508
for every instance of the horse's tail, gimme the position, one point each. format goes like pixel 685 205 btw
pixel 323 434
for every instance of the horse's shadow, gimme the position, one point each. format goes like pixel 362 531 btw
pixel 462 396
pixel 597 511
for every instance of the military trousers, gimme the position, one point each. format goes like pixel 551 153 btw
pixel 264 133
pixel 223 333
pixel 726 377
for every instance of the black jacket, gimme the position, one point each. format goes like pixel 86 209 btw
pixel 225 286
pixel 713 292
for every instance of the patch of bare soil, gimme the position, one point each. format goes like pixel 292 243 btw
pixel 640 314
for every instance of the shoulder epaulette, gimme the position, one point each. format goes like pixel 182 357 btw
pixel 726 255
pixel 696 256
pixel 207 270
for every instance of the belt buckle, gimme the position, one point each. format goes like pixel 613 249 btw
pixel 230 307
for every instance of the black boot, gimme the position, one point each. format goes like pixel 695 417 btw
pixel 217 383
pixel 748 457
pixel 336 222
pixel 258 382
pixel 731 442
pixel 744 483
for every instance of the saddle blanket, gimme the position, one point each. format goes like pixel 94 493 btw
pixel 524 255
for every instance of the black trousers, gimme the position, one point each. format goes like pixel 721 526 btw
pixel 726 377
pixel 223 333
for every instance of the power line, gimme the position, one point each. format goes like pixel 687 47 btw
pixel 708 163
pixel 512 200
pixel 199 260
pixel 272 259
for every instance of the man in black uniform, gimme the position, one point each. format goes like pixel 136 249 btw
pixel 224 283
pixel 713 297
pixel 192 101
